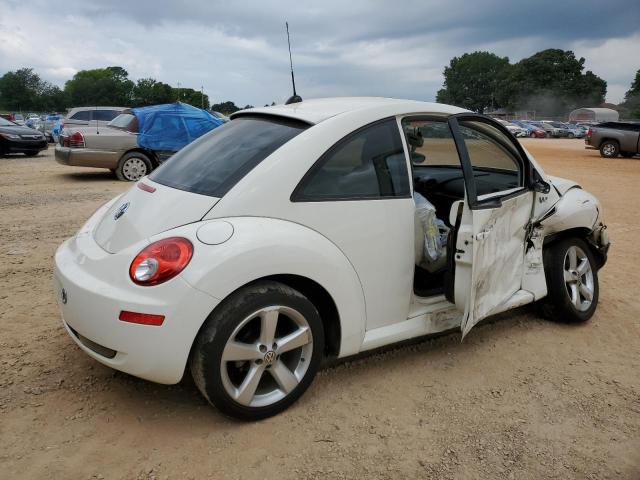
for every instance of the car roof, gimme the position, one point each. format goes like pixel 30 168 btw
pixel 316 110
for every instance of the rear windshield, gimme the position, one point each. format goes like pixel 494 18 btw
pixel 216 161
pixel 122 121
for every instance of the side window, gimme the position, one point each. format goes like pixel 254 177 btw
pixel 82 115
pixel 105 115
pixel 369 163
pixel 493 157
pixel 430 143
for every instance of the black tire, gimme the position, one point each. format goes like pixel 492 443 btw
pixel 609 149
pixel 133 166
pixel 32 154
pixel 207 353
pixel 627 154
pixel 571 135
pixel 558 306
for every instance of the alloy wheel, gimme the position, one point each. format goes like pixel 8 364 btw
pixel 266 356
pixel 609 150
pixel 578 278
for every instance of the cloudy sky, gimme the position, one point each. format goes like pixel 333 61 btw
pixel 237 49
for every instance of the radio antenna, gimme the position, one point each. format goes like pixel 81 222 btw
pixel 295 98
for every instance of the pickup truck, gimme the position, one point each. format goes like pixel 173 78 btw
pixel 614 138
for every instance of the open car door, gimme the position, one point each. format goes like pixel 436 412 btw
pixel 487 245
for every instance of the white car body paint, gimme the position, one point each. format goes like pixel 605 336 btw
pixel 360 252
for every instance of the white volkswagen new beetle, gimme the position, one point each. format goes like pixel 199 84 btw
pixel 290 235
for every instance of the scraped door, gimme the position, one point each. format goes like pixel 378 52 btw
pixel 491 222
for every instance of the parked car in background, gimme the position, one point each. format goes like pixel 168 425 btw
pixel 136 141
pixel 219 115
pixel 550 130
pixel 91 116
pixel 287 237
pixel 532 130
pixel 614 138
pixel 18 119
pixel 16 138
pixel 575 131
pixel 515 130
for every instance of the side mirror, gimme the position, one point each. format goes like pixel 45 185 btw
pixel 541 186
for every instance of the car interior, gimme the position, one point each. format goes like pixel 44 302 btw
pixel 437 176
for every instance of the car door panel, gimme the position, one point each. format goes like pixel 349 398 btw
pixel 498 238
pixel 490 234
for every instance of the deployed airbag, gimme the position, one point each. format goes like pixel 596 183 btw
pixel 430 236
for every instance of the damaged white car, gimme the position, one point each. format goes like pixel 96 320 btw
pixel 321 229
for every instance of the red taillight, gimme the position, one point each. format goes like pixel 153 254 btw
pixel 145 187
pixel 142 318
pixel 161 261
pixel 75 140
pixel 589 132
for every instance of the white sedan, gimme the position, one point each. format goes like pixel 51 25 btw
pixel 299 233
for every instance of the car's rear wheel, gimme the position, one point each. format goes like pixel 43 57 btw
pixel 572 281
pixel 133 166
pixel 258 351
pixel 609 149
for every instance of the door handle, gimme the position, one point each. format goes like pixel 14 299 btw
pixel 483 234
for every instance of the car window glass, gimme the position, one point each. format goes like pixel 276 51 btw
pixel 214 163
pixel 105 115
pixel 493 157
pixel 367 164
pixel 122 121
pixel 82 115
pixel 430 143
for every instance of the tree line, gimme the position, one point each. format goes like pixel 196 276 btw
pixel 551 83
pixel 24 90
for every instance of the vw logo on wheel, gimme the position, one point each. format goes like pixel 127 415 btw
pixel 120 211
pixel 269 357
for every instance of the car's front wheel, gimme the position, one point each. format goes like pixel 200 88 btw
pixel 258 351
pixel 609 149
pixel 572 281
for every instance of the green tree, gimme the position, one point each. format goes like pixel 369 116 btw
pixel 474 81
pixel 19 90
pixel 632 97
pixel 193 97
pixel 226 108
pixel 551 82
pixel 100 86
pixel 148 91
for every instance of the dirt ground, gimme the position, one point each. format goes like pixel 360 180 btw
pixel 520 398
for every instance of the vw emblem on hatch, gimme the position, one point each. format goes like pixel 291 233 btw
pixel 63 296
pixel 120 211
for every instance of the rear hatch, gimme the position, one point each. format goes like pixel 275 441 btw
pixel 140 214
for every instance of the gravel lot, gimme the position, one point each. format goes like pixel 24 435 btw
pixel 520 398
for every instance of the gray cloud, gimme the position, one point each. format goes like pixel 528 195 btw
pixel 237 50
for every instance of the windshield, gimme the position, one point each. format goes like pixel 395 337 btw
pixel 122 121
pixel 6 123
pixel 218 160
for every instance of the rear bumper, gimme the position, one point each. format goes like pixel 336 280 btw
pixel 86 157
pixel 92 287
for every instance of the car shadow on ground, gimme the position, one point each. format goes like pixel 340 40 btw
pixel 92 176
pixel 184 402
